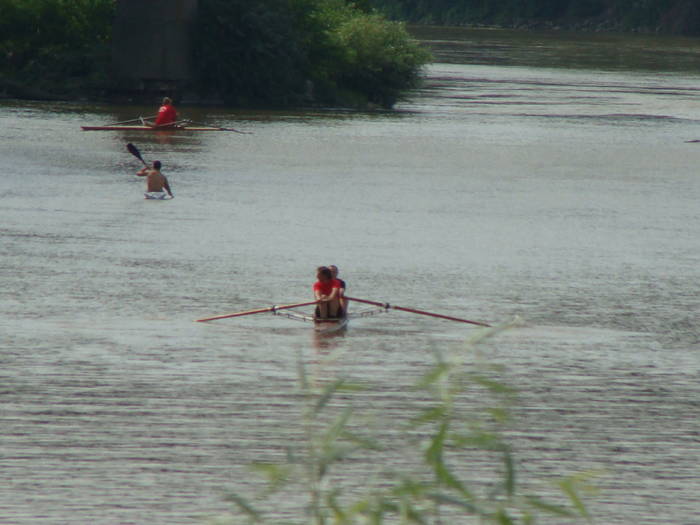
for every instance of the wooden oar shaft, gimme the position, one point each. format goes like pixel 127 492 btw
pixel 415 311
pixel 256 311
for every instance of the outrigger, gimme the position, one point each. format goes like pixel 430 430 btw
pixel 336 324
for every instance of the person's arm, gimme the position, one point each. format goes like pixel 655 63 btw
pixel 335 293
pixel 167 186
pixel 318 295
pixel 143 171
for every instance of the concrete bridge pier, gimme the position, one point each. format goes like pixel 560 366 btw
pixel 152 48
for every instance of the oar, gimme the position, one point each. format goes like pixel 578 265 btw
pixel 129 121
pixel 220 128
pixel 257 311
pixel 414 311
pixel 135 152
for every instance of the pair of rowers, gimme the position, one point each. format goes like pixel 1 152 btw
pixel 329 291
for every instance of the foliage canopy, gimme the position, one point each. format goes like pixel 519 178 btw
pixel 46 43
pixel 283 52
pixel 268 52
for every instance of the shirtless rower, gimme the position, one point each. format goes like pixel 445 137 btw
pixel 155 182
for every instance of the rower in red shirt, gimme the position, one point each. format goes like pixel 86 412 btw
pixel 166 113
pixel 327 292
pixel 341 294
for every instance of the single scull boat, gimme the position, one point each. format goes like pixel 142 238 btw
pixel 180 125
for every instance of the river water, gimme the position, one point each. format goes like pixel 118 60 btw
pixel 543 178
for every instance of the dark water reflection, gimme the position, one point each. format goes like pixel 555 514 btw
pixel 565 196
pixel 560 49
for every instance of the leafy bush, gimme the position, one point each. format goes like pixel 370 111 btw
pixel 285 52
pixel 380 60
pixel 46 42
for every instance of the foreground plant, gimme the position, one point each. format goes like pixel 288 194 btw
pixel 444 431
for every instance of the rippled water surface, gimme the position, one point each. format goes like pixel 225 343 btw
pixel 565 196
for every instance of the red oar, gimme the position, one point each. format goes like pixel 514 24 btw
pixel 258 311
pixel 414 311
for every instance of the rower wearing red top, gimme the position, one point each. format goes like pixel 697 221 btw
pixel 341 295
pixel 166 113
pixel 327 292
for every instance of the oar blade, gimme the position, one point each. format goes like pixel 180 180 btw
pixel 135 152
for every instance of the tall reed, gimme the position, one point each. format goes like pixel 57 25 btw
pixel 443 431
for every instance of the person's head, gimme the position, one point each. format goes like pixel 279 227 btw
pixel 167 101
pixel 334 270
pixel 323 274
pixel 156 164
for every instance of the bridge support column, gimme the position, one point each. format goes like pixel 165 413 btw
pixel 152 47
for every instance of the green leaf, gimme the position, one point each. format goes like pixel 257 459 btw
pixel 493 386
pixel 550 508
pixel 503 518
pixel 243 505
pixel 509 481
pixel 430 415
pixel 276 475
pixel 569 487
pixel 467 505
pixel 437 373
pixel 433 454
pixel 327 394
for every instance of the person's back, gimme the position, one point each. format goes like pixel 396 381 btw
pixel 166 113
pixel 156 182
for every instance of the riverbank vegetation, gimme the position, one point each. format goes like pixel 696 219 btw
pixel 263 53
pixel 54 48
pixel 291 52
pixel 681 17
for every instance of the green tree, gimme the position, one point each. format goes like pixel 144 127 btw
pixel 284 52
pixel 55 42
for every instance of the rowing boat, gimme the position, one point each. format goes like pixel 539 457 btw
pixel 151 128
pixel 332 325
pixel 147 124
pixel 323 326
